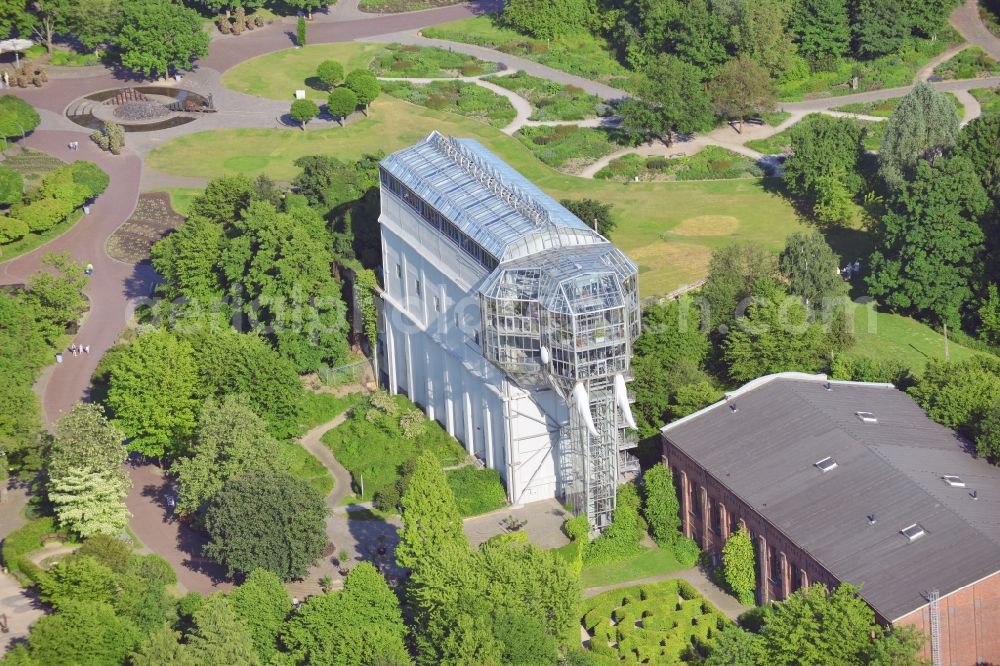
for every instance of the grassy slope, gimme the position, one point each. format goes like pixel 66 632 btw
pixel 278 75
pixel 650 562
pixel 884 335
pixel 988 99
pixel 645 211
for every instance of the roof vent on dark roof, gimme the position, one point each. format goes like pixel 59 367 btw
pixel 953 481
pixel 828 386
pixel 733 408
pixel 826 464
pixel 913 532
pixel 866 417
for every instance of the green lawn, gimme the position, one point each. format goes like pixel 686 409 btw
pixel 278 75
pixel 884 335
pixel 650 562
pixel 968 64
pixel 988 99
pixel 580 54
pixel 885 107
pixel 889 71
pixel 319 408
pixel 646 212
pixel 306 467
pixel 181 198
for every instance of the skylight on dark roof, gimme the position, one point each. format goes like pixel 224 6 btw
pixel 866 417
pixel 913 532
pixel 826 464
pixel 953 481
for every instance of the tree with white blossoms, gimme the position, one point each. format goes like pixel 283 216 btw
pixel 86 480
pixel 89 502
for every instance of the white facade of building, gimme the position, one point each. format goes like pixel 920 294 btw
pixel 457 224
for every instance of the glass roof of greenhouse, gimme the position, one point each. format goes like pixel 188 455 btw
pixel 487 199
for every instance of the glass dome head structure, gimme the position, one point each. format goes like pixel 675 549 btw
pixel 562 317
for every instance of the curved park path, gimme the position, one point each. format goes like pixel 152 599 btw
pixel 116 287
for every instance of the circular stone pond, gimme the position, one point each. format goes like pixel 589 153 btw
pixel 139 108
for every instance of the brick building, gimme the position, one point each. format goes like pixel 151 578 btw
pixel 849 482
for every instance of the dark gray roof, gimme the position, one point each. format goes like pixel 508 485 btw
pixel 765 452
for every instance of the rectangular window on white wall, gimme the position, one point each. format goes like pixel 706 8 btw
pixel 437 304
pixel 399 271
pixel 417 284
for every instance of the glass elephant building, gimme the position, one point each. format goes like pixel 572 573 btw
pixel 510 321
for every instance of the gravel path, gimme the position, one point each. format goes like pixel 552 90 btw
pixel 966 21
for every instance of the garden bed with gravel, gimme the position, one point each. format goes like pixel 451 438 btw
pixel 152 219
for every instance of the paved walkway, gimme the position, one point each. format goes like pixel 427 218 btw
pixel 965 19
pixel 21 609
pixel 162 534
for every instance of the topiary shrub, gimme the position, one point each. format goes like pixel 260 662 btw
pixel 223 24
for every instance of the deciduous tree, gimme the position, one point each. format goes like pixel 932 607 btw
pixel 85 439
pixel 593 213
pixel 823 170
pixel 732 272
pixel 267 521
pixel 822 31
pixel 365 86
pixel 923 126
pixel 774 336
pixel 361 624
pixel 734 646
pixel 341 103
pixel 931 245
pixel 158 36
pixel 988 435
pixel 815 626
pixel 330 73
pixel 261 603
pixel 230 440
pixel 547 19
pixel 670 98
pixel 89 502
pixel 741 89
pixel 959 395
pixel 812 269
pixel 57 294
pixel 303 110
pixel 152 393
pixel 87 633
